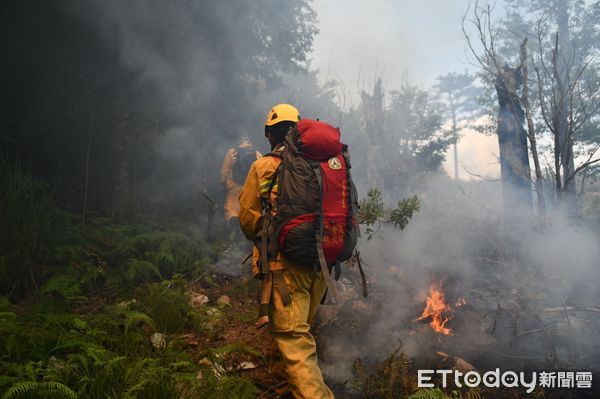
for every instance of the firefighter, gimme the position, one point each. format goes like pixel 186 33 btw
pixel 235 166
pixel 292 292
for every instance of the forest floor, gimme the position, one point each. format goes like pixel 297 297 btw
pixel 237 327
pixel 137 312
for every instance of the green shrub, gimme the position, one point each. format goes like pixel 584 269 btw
pixel 227 387
pixel 45 390
pixel 168 305
pixel 387 379
pixel 30 229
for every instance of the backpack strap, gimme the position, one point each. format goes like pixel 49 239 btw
pixel 272 279
pixel 351 216
pixel 276 154
pixel 362 273
pixel 281 286
pixel 267 219
pixel 319 234
pixel 337 270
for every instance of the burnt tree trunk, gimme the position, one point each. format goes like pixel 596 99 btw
pixel 512 140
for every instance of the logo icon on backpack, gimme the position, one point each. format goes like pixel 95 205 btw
pixel 335 164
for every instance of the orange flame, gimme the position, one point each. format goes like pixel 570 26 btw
pixel 435 307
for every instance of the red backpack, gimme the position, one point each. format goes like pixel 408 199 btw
pixel 315 221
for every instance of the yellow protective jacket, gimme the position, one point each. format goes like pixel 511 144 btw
pixel 232 188
pixel 255 190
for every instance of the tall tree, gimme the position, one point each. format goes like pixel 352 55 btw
pixel 562 97
pixel 137 64
pixel 459 94
pixel 373 114
pixel 417 143
pixel 512 138
pixel 565 83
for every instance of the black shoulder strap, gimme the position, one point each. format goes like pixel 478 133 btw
pixel 273 154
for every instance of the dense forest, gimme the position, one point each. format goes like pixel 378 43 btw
pixel 119 276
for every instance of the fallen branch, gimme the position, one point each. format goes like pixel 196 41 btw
pixel 571 308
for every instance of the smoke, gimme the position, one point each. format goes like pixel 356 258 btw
pixel 210 71
pixel 516 275
pixel 513 273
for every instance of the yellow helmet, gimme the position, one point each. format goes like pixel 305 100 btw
pixel 282 112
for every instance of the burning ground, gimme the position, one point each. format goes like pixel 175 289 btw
pixel 464 287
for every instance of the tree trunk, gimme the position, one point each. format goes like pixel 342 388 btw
pixel 87 167
pixel 373 111
pixel 539 187
pixel 512 140
pixel 565 140
pixel 455 137
pixel 124 207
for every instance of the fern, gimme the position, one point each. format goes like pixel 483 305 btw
pixel 181 366
pixel 148 380
pixel 141 270
pixel 164 257
pixel 32 227
pixel 7 315
pixel 429 393
pixel 388 378
pixel 236 348
pixel 65 286
pixel 31 389
pixel 226 387
pixel 472 393
pixel 539 393
pixel 134 318
pixel 168 305
pixel 358 375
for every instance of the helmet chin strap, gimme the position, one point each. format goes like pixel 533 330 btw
pixel 273 144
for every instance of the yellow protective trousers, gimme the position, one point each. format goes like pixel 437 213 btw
pixel 290 328
pixel 231 206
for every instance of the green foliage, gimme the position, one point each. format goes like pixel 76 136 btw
pixel 108 353
pixel 168 305
pixel 29 227
pixel 401 215
pixel 227 387
pixel 44 390
pixel 392 378
pixel 113 275
pixel 218 380
pixel 416 142
pixel 117 258
pixel 429 393
pixel 373 212
pixel 43 247
pixel 141 271
pixel 436 393
pixel 224 354
pixel 389 379
pixel 372 208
